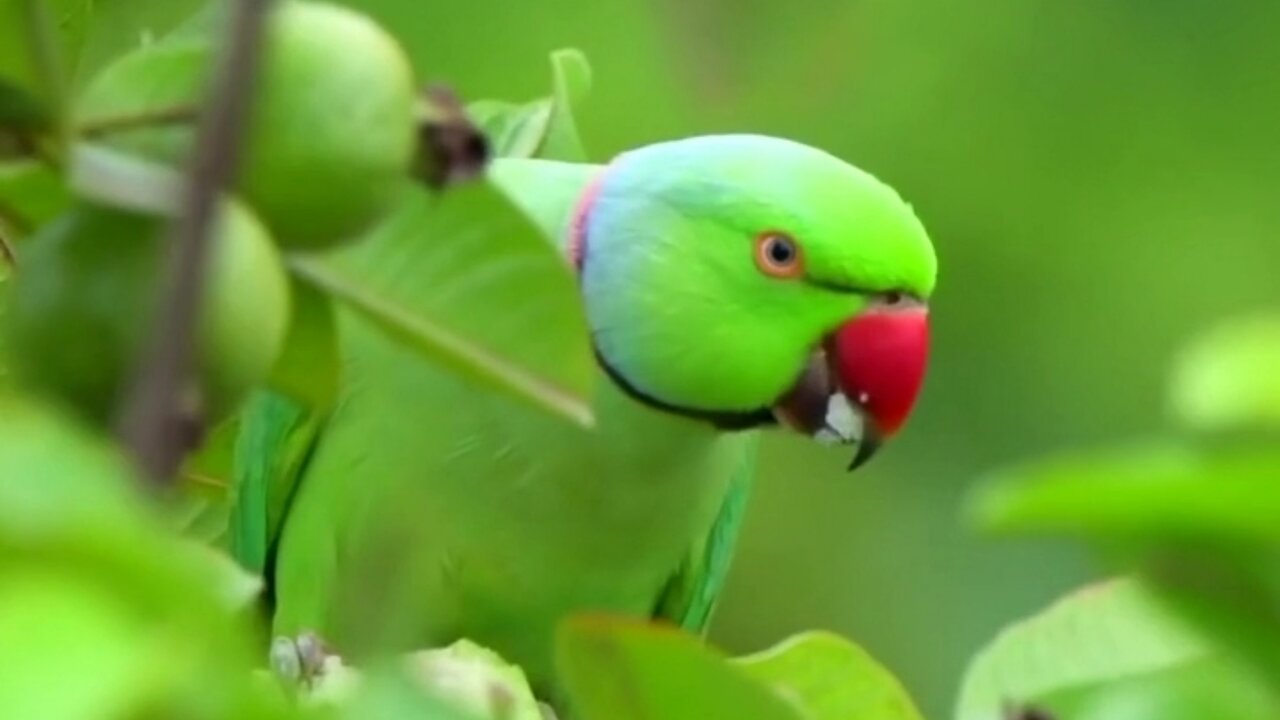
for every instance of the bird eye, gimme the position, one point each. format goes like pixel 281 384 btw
pixel 778 255
pixel 893 298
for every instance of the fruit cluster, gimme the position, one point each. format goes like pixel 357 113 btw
pixel 329 142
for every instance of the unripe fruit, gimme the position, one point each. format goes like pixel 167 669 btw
pixel 86 297
pixel 332 128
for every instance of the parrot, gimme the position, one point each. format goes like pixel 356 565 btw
pixel 732 285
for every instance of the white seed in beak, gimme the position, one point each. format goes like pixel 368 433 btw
pixel 843 423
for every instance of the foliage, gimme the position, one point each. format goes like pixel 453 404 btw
pixel 118 602
pixel 106 614
pixel 1193 520
pixel 124 600
pixel 830 678
pixel 1095 635
pixel 1226 378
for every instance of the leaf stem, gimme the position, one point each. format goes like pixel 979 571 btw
pixel 7 255
pixel 157 417
pixel 175 115
pixel 47 58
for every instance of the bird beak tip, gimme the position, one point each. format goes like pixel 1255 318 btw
pixel 867 449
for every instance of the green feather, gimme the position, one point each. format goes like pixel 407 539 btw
pixel 275 439
pixel 691 598
pixel 421 511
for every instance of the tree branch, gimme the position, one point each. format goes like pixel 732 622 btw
pixel 161 411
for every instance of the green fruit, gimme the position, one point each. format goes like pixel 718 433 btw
pixel 86 295
pixel 332 130
pixel 335 131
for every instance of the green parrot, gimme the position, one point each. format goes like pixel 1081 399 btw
pixel 731 283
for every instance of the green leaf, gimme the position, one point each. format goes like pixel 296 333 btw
pixel 617 669
pixel 386 692
pixel 21 115
pixel 513 130
pixel 30 64
pixel 1233 598
pixel 1141 494
pixel 831 679
pixel 102 612
pixel 58 482
pixel 31 194
pixel 203 505
pixel 202 513
pixel 571 80
pixel 231 584
pixel 469 283
pixel 146 103
pixel 75 647
pixel 1200 528
pixel 120 26
pixel 40 43
pixel 67 492
pixel 205 23
pixel 70 530
pixel 1201 690
pixel 73 19
pixel 1102 633
pixel 57 623
pixel 1228 377
pixel 544 128
pixel 475 679
pixel 308 367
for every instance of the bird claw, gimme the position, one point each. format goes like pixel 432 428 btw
pixel 304 665
pixel 285 660
pixel 464 674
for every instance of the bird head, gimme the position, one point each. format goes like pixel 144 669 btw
pixel 747 281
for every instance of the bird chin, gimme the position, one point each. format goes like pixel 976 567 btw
pixel 816 407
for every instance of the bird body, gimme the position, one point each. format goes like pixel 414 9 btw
pixel 420 508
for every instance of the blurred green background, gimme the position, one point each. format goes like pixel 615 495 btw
pixel 1100 177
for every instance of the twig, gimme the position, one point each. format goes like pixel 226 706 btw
pixel 158 414
pixel 45 54
pixel 30 143
pixel 175 115
pixel 7 255
pixel 12 227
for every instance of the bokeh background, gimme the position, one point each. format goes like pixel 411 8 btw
pixel 1101 178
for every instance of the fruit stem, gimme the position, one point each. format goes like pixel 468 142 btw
pixel 176 115
pixel 53 73
pixel 160 413
pixel 450 147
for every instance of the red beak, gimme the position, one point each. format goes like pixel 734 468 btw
pixel 879 359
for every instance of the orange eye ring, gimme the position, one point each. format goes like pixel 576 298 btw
pixel 778 255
